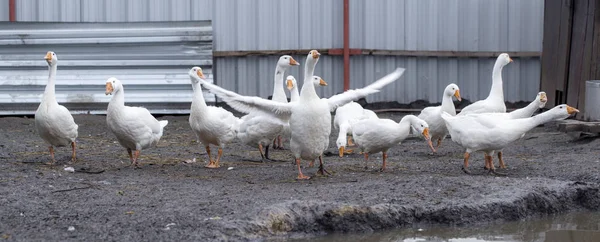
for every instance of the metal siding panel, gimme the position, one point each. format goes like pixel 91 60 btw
pixel 468 17
pixel 448 25
pixel 357 20
pixel 200 9
pixel 395 34
pixel 85 66
pixel 4 11
pixel 411 28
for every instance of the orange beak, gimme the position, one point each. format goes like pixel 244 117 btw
pixel 543 97
pixel 294 62
pixel 510 60
pixel 571 110
pixel 315 54
pixel 322 83
pixel 341 151
pixel 109 88
pixel 457 95
pixel 289 84
pixel 200 74
pixel 48 56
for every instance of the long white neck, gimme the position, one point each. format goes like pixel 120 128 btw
pixel 308 87
pixel 404 127
pixel 118 99
pixel 448 105
pixel 527 111
pixel 343 133
pixel 496 91
pixel 198 98
pixel 527 124
pixel 49 92
pixel 278 92
pixel 294 95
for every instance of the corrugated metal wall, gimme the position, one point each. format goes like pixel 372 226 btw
pixel 151 59
pixel 113 10
pixel 430 25
pixel 4 10
pixel 460 25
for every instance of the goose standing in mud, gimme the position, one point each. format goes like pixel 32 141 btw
pixel 433 115
pixel 53 122
pixel 135 128
pixel 486 133
pixel 379 135
pixel 258 130
pixel 212 125
pixel 310 116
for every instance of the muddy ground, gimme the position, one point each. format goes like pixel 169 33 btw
pixel 168 199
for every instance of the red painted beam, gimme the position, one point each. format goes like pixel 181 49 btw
pixel 12 13
pixel 346 45
pixel 341 52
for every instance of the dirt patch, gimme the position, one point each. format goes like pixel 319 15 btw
pixel 169 199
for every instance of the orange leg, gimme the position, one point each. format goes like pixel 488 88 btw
pixel 384 160
pixel 130 155
pixel 366 160
pixel 219 154
pixel 311 163
pixel 487 164
pixel 262 155
pixel 349 140
pixel 52 160
pixel 439 142
pixel 465 167
pixel 211 163
pixel 74 156
pixel 280 142
pixel 322 170
pixel 500 160
pixel 300 175
pixel 136 154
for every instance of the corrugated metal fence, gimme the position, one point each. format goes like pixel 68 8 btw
pixel 399 25
pixel 152 60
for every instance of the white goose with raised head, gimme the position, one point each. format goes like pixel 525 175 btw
pixel 212 125
pixel 433 115
pixel 53 122
pixel 494 103
pixel 135 128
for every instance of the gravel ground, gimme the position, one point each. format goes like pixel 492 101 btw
pixel 169 199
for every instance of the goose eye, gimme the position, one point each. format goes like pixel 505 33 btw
pixel 421 125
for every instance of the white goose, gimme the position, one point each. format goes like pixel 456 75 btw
pixel 494 103
pixel 433 115
pixel 310 116
pixel 212 125
pixel 258 130
pixel 379 135
pixel 342 122
pixel 538 102
pixel 285 62
pixel 135 128
pixel 53 122
pixel 488 134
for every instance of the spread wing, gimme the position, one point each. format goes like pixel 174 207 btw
pixel 247 104
pixel 350 95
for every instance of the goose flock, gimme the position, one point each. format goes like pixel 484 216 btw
pixel 305 120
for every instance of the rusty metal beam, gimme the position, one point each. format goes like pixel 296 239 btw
pixel 346 45
pixel 12 11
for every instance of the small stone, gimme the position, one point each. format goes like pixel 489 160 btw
pixel 230 168
pixel 70 169
pixel 71 228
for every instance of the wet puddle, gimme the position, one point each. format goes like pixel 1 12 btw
pixel 573 227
